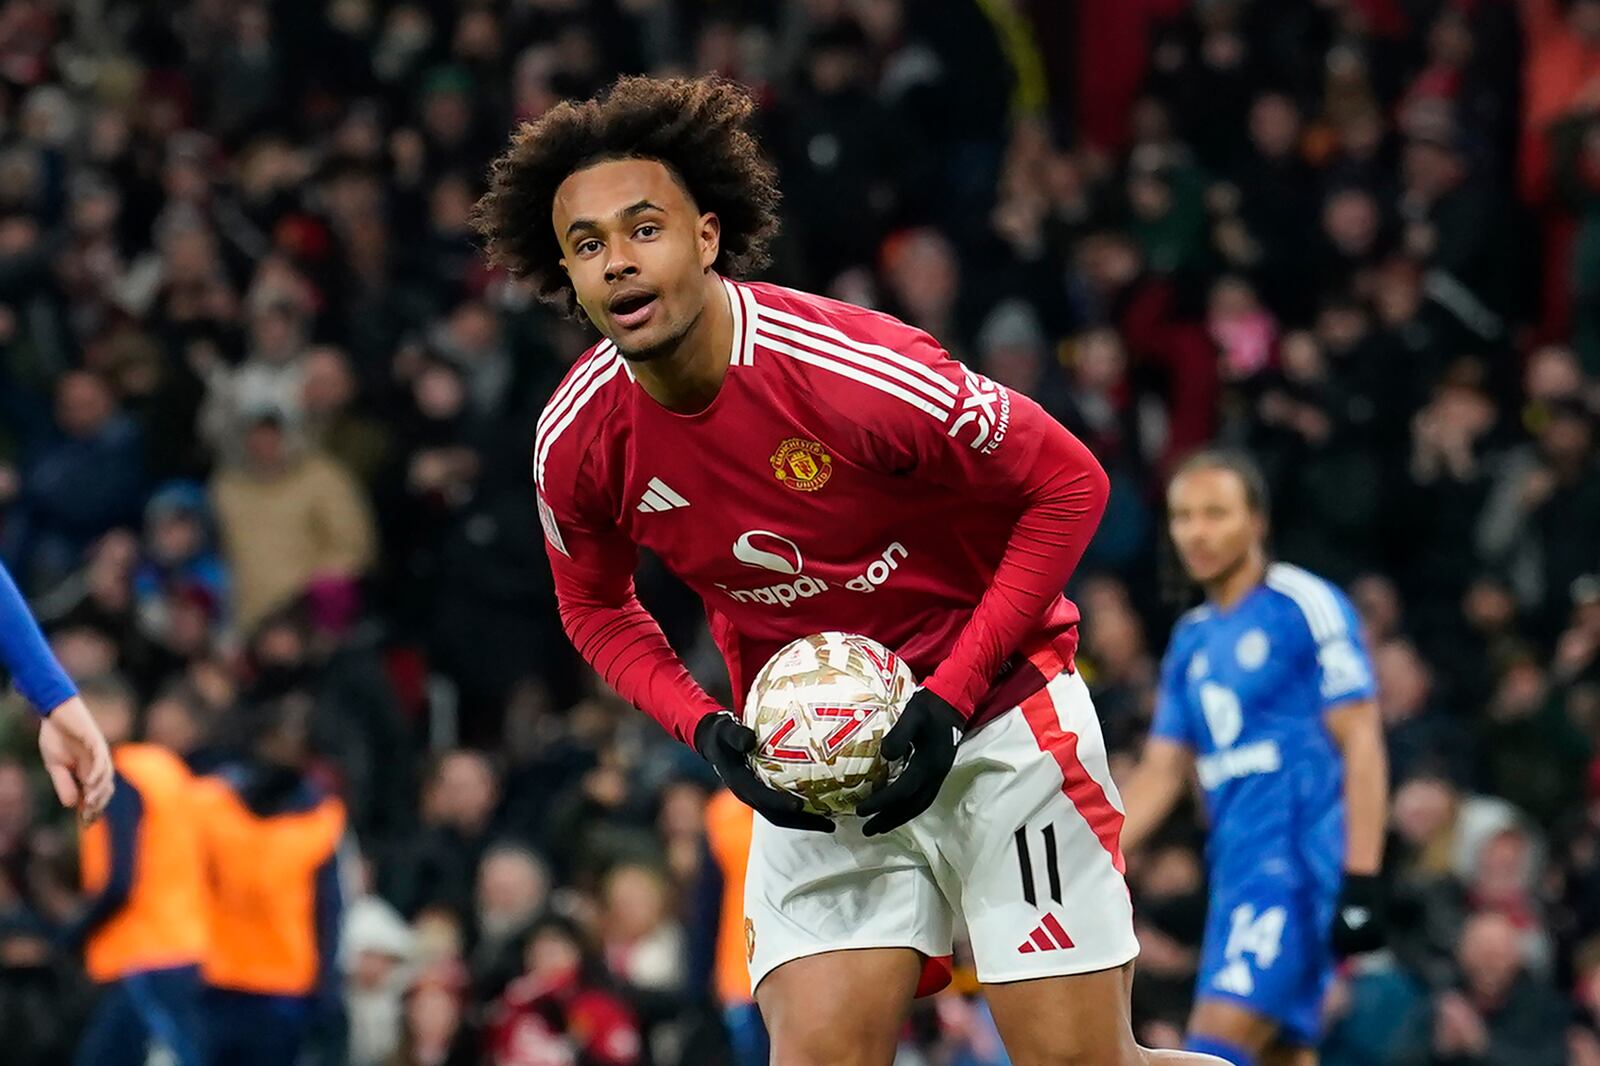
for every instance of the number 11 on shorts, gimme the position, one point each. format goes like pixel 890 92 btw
pixel 1052 865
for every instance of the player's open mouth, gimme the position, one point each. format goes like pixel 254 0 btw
pixel 632 309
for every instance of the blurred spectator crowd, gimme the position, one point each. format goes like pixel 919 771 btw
pixel 264 417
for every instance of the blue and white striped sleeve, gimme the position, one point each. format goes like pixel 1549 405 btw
pixel 1344 668
pixel 23 651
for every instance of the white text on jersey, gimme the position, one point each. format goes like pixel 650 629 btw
pixel 1219 767
pixel 978 413
pixel 784 594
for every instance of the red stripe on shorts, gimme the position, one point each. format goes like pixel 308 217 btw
pixel 1081 788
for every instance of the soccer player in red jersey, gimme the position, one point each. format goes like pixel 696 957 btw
pixel 807 465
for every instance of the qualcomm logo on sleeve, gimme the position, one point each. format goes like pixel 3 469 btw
pixel 762 549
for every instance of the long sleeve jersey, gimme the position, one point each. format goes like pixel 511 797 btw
pixel 849 475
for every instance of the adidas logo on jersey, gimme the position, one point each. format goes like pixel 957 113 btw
pixel 1236 979
pixel 658 496
pixel 1046 936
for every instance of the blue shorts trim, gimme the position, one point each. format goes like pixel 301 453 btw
pixel 1222 1049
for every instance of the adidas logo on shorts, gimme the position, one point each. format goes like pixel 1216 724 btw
pixel 1046 936
pixel 1235 978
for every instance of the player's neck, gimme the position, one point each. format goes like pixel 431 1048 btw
pixel 1238 581
pixel 687 378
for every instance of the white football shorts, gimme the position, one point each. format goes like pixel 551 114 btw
pixel 1022 845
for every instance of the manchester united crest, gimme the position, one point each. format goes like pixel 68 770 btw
pixel 749 940
pixel 802 464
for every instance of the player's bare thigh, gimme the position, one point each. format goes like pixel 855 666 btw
pixel 1081 1020
pixel 839 1008
pixel 1075 1020
pixel 1245 1029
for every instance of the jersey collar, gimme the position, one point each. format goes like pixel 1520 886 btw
pixel 746 314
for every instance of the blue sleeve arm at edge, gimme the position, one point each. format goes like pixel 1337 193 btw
pixel 23 650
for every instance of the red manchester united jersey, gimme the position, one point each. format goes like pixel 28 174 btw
pixel 848 475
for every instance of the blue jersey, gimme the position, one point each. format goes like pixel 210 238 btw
pixel 1246 689
pixel 24 653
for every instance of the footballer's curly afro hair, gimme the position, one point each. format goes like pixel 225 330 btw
pixel 697 128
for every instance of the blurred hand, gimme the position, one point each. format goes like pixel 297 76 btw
pixel 1583 1048
pixel 1574 652
pixel 1275 408
pixel 203 358
pixel 1420 240
pixel 1223 198
pixel 1337 1001
pixel 607 786
pixel 1537 485
pixel 429 471
pixel 1431 431
pixel 1457 1027
pixel 221 303
pixel 1222 50
pixel 1312 424
pixel 409 152
pixel 1233 240
pixel 1426 425
pixel 77 759
pixel 1019 221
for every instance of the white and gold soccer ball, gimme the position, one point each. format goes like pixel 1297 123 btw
pixel 820 708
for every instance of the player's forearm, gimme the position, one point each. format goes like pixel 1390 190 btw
pixel 34 668
pixel 626 647
pixel 1366 796
pixel 1147 800
pixel 1062 512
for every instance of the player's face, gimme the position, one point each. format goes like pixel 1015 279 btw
pixel 1211 523
pixel 637 250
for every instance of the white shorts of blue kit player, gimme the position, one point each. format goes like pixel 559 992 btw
pixel 1021 845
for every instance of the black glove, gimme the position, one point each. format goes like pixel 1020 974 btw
pixel 1358 924
pixel 925 736
pixel 727 745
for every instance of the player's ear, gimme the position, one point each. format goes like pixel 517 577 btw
pixel 709 236
pixel 564 270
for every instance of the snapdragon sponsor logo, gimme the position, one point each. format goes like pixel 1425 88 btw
pixel 765 550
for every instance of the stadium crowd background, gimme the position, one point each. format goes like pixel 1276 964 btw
pixel 264 417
